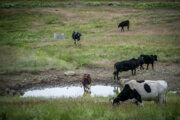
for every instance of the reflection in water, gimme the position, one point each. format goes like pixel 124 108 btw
pixel 87 88
pixel 116 90
pixel 73 91
pixel 85 94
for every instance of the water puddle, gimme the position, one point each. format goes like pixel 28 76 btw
pixel 73 91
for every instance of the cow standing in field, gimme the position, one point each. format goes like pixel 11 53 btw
pixel 127 65
pixel 86 81
pixel 149 59
pixel 143 90
pixel 76 37
pixel 123 24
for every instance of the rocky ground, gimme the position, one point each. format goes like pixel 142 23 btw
pixel 17 83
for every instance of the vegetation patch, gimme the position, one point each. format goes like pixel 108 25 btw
pixel 86 107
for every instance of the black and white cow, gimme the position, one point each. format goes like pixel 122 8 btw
pixel 76 36
pixel 124 23
pixel 143 90
pixel 149 59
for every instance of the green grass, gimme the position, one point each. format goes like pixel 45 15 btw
pixel 26 35
pixel 153 4
pixel 81 108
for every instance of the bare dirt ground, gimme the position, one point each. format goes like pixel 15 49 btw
pixel 25 80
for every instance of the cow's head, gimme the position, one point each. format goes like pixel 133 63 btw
pixel 116 101
pixel 85 76
pixel 155 57
pixel 119 25
pixel 127 93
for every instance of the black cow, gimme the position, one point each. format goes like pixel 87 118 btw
pixel 121 66
pixel 131 64
pixel 135 63
pixel 124 23
pixel 76 36
pixel 149 59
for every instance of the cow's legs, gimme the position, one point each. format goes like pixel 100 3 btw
pixel 164 100
pixel 117 75
pixel 132 71
pixel 135 71
pixel 141 67
pixel 84 89
pixel 128 27
pixel 138 98
pixel 121 29
pixel 75 42
pixel 152 65
pixel 147 66
pixel 114 77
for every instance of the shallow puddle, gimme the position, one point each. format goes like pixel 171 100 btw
pixel 73 91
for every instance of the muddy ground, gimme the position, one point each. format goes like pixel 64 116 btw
pixel 21 81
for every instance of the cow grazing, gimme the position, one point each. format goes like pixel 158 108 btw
pixel 143 90
pixel 131 64
pixel 124 23
pixel 86 81
pixel 149 59
pixel 76 36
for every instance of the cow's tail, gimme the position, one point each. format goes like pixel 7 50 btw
pixel 115 72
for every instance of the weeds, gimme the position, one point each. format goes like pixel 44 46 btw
pixel 86 107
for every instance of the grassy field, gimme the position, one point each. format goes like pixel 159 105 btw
pixel 27 44
pixel 97 108
pixel 27 29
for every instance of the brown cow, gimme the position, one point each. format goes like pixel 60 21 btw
pixel 86 81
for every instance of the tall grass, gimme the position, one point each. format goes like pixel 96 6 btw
pixel 86 108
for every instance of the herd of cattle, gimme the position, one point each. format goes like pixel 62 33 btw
pixel 133 89
pixel 134 63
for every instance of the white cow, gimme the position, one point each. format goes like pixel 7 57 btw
pixel 143 90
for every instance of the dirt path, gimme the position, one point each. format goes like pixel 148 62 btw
pixel 24 80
